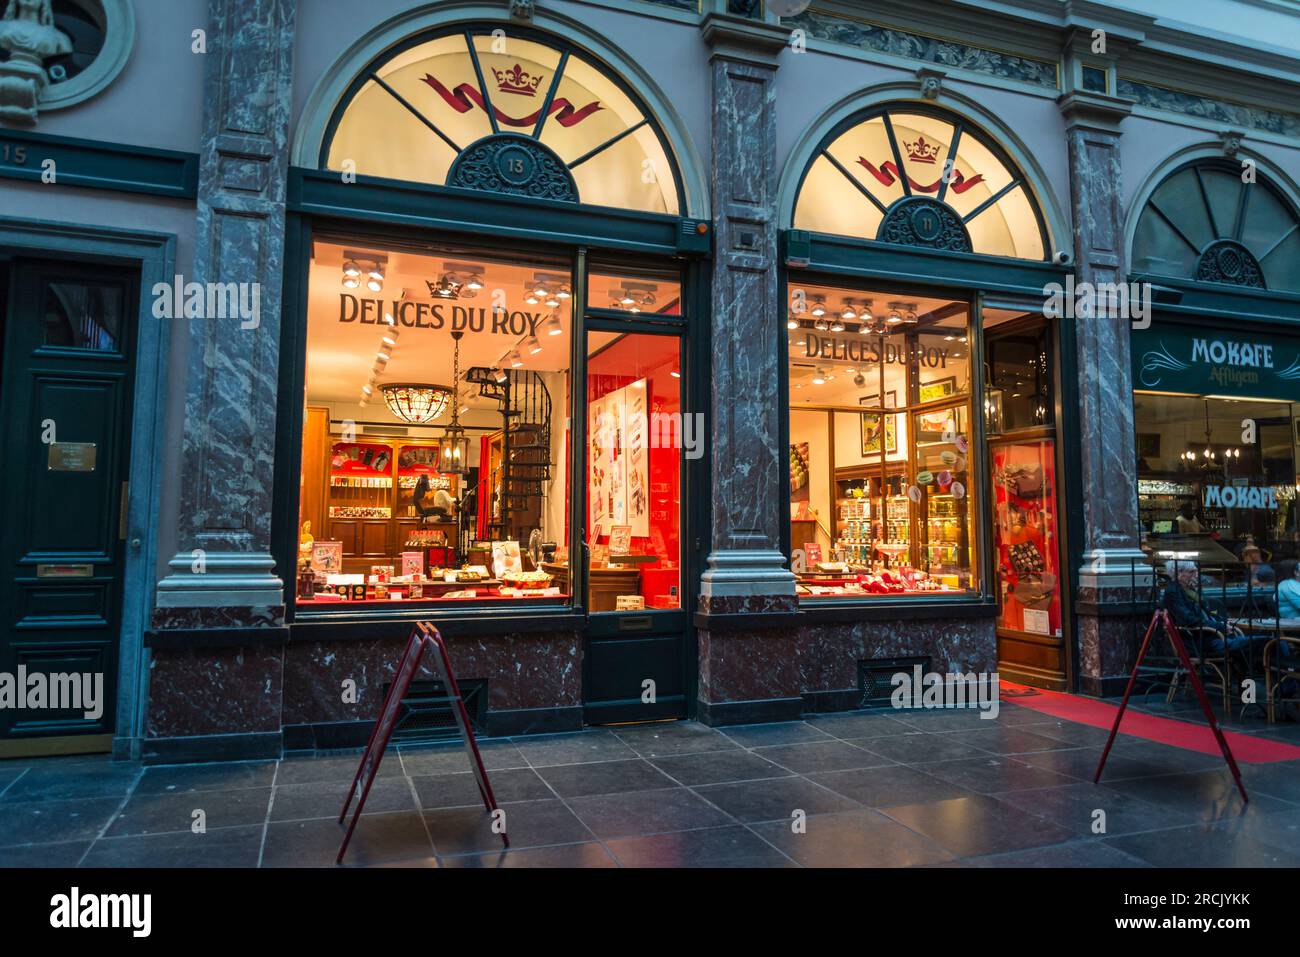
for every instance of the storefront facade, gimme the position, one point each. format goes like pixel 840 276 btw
pixel 676 362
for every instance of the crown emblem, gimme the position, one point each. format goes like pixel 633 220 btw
pixel 517 80
pixel 921 151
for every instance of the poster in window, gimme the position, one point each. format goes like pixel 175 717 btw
pixel 938 389
pixel 635 429
pixel 602 429
pixel 873 424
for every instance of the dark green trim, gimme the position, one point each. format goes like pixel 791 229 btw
pixel 915 265
pixel 443 208
pixel 97 165
pixel 1220 301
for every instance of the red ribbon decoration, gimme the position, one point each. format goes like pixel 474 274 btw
pixel 888 174
pixel 465 97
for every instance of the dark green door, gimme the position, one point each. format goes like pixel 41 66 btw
pixel 641 435
pixel 65 400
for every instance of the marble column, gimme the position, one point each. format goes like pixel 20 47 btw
pixel 746 569
pixel 1108 477
pixel 224 575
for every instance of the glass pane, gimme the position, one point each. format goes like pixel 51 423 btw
pixel 1020 383
pixel 468 503
pixel 1191 452
pixel 981 175
pixel 1026 537
pixel 1267 220
pixel 865 152
pixel 1008 228
pixel 1179 198
pixel 1157 249
pixel 636 292
pixel 81 315
pixel 1279 265
pixel 923 142
pixel 858 361
pixel 830 203
pixel 637 435
pixel 942 490
pixel 1223 190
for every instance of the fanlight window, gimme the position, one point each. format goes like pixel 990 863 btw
pixel 1204 223
pixel 515 113
pixel 922 178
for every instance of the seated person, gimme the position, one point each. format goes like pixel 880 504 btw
pixel 1288 590
pixel 1190 609
pixel 1263 582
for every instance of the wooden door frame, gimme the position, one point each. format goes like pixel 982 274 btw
pixel 153 254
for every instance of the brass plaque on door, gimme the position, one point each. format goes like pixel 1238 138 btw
pixel 71 457
pixel 65 571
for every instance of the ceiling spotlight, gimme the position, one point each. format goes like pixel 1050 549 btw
pixel 499 375
pixel 821 325
pixel 909 317
pixel 626 300
pixel 564 293
pixel 675 374
pixel 837 325
pixel 864 314
pixel 859 380
pixel 381 358
pixel 516 360
pixel 553 327
pixel 848 311
pixel 367 389
pixel 894 317
pixel 532 345
pixel 475 282
pixel 351 282
pixel 819 307
pixel 390 338
pixel 819 377
pixel 377 272
pixel 531 299
pixel 351 269
pixel 792 323
pixel 552 300
pixel 539 290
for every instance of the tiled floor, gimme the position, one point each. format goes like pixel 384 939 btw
pixel 847 790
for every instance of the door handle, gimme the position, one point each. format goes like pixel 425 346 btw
pixel 122 511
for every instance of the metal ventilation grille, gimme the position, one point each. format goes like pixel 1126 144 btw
pixel 426 715
pixel 875 678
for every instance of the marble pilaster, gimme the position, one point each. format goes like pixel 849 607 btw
pixel 224 562
pixel 746 569
pixel 1108 477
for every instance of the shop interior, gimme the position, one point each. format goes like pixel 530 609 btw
pixel 1190 448
pixel 880 443
pixel 436 441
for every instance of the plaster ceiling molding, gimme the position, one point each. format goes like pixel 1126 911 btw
pixel 116 18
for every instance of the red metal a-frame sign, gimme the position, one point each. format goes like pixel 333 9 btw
pixel 424 637
pixel 1162 618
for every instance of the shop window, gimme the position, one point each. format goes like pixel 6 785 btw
pixel 513 112
pixel 880 444
pixel 1204 223
pixel 1216 475
pixel 434 460
pixel 1018 393
pixel 924 178
pixel 634 293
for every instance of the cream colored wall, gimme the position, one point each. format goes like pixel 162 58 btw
pixel 811 427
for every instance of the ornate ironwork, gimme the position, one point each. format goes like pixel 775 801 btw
pixel 922 221
pixel 1230 262
pixel 514 164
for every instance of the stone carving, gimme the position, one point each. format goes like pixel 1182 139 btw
pixel 921 221
pixel 1256 118
pixel 1229 262
pixel 931 82
pixel 521 9
pixel 28 33
pixel 823 25
pixel 1231 141
pixel 514 164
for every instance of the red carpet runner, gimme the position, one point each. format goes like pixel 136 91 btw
pixel 1246 748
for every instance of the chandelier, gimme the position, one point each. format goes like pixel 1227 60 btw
pixel 454 459
pixel 416 403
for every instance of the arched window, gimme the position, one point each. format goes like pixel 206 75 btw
pixel 524 114
pixel 920 177
pixel 1205 223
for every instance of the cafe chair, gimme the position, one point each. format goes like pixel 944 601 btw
pixel 1214 667
pixel 1277 668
